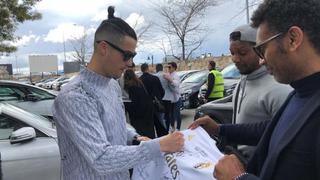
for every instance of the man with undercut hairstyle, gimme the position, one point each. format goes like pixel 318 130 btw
pixel 90 117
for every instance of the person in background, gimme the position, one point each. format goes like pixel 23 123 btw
pixel 90 117
pixel 215 83
pixel 125 96
pixel 141 114
pixel 165 86
pixel 155 90
pixel 172 97
pixel 288 44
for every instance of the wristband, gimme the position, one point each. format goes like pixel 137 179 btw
pixel 240 176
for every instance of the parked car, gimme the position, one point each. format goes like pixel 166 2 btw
pixel 220 110
pixel 28 145
pixel 58 85
pixel 49 84
pixel 231 76
pixel 190 87
pixel 28 97
pixel 184 74
pixel 42 82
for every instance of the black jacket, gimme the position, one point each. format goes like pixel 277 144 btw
pixel 153 85
pixel 141 111
pixel 298 154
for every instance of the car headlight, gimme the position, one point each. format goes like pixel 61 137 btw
pixel 185 95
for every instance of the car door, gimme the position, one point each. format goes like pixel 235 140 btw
pixel 34 159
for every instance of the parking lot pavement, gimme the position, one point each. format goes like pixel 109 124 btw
pixel 187 117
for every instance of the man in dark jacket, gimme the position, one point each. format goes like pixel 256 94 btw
pixel 288 43
pixel 154 88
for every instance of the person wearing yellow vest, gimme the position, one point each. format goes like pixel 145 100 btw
pixel 215 83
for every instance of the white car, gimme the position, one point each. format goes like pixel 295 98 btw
pixel 28 146
pixel 49 84
pixel 58 85
pixel 28 97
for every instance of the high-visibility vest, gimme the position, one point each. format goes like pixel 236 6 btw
pixel 218 87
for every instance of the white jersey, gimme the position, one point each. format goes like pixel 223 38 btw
pixel 196 161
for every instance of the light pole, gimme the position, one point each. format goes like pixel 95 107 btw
pixel 247 7
pixel 16 58
pixel 64 47
pixel 151 58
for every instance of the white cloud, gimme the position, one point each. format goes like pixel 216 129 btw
pixel 102 15
pixel 135 20
pixel 67 31
pixel 75 8
pixel 26 39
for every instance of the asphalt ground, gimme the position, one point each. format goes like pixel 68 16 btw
pixel 187 116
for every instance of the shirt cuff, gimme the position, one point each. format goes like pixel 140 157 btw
pixel 153 145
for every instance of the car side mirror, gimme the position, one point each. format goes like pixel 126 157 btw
pixel 22 135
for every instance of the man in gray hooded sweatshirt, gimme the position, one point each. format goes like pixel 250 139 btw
pixel 257 97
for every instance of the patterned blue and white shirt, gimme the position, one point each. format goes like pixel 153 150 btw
pixel 92 132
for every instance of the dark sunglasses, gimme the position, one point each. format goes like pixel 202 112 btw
pixel 127 55
pixel 259 48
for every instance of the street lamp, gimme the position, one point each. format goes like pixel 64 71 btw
pixel 64 47
pixel 247 8
pixel 150 58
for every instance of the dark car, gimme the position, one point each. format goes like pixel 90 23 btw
pixel 231 76
pixel 190 87
pixel 220 110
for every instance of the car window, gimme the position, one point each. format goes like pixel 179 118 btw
pixel 62 79
pixel 40 93
pixel 9 92
pixel 197 77
pixel 9 124
pixel 6 127
pixel 231 72
pixel 181 73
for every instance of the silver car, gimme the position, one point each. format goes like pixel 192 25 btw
pixel 28 146
pixel 28 97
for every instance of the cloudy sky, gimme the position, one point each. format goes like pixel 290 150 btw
pixel 64 20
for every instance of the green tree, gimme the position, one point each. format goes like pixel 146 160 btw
pixel 13 12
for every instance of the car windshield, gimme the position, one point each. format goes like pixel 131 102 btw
pixel 12 92
pixel 181 73
pixel 231 72
pixel 197 77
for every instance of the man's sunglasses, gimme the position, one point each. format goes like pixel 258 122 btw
pixel 127 55
pixel 259 48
